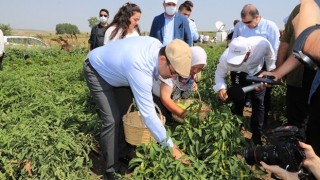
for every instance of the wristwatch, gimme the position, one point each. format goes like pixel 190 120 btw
pixel 298 47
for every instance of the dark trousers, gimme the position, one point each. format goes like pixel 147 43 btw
pixel 257 98
pixel 1 58
pixel 267 105
pixel 297 105
pixel 297 100
pixel 313 125
pixel 112 107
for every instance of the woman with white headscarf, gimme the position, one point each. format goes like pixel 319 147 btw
pixel 167 90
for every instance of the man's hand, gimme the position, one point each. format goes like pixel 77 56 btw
pixel 223 94
pixel 177 154
pixel 276 76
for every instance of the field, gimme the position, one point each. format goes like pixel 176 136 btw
pixel 49 127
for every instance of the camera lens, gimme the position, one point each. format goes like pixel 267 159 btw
pixel 266 154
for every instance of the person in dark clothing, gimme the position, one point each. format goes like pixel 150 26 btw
pixel 1 48
pixel 97 32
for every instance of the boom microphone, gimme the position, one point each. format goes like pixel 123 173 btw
pixel 237 93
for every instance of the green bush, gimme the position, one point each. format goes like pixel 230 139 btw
pixel 6 29
pixel 67 28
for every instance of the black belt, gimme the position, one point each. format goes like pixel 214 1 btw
pixel 88 63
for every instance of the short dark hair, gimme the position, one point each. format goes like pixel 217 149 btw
pixel 249 9
pixel 185 6
pixel 188 3
pixel 162 51
pixel 105 10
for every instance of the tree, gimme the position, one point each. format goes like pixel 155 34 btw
pixel 6 29
pixel 67 28
pixel 93 21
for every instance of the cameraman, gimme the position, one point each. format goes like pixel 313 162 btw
pixel 312 162
pixel 308 17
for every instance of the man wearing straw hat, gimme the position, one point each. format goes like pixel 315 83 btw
pixel 133 62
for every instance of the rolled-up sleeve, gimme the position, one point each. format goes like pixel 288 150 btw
pixel 221 72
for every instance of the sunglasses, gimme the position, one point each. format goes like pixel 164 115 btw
pixel 103 15
pixel 248 22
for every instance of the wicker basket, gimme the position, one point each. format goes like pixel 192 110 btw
pixel 135 130
pixel 205 108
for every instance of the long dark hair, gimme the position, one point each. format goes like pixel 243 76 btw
pixel 122 19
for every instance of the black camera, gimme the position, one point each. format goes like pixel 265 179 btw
pixel 284 151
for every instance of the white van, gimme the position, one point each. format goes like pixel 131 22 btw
pixel 24 41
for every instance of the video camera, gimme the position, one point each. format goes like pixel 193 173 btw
pixel 285 152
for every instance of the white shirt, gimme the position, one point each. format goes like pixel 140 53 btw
pixel 261 51
pixel 133 62
pixel 1 43
pixel 118 35
pixel 266 28
pixel 168 30
pixel 194 30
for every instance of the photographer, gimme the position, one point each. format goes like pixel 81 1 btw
pixel 312 162
pixel 308 41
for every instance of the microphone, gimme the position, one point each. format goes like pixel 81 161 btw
pixel 237 93
pixel 250 88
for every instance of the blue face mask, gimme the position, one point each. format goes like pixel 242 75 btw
pixel 318 2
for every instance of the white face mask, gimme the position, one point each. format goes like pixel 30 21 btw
pixel 170 10
pixel 103 19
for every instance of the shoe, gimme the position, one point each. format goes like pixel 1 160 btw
pixel 109 176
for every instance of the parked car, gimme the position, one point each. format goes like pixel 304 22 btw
pixel 24 41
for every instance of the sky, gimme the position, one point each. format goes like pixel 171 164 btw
pixel 46 14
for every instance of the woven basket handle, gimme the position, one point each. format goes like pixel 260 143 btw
pixel 133 103
pixel 198 95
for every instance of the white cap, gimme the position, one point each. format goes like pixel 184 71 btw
pixel 238 49
pixel 171 1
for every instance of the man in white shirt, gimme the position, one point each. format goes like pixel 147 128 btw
pixel 132 62
pixel 246 56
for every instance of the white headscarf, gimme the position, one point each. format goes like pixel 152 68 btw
pixel 199 56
